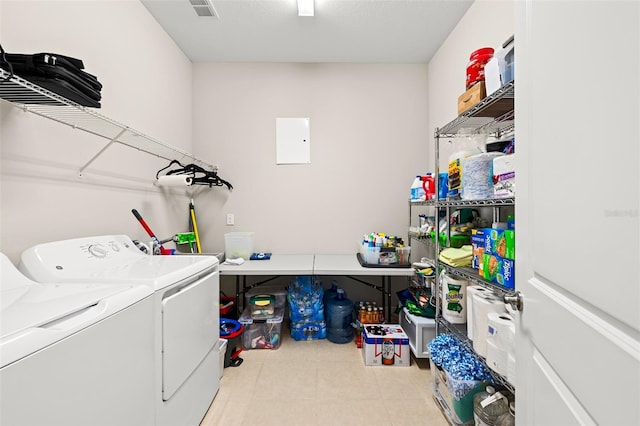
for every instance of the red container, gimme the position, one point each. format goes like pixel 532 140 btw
pixel 227 306
pixel 429 186
pixel 475 68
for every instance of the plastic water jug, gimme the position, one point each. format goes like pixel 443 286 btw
pixel 339 318
pixel 330 293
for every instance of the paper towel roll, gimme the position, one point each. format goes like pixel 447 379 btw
pixel 471 290
pixel 454 306
pixel 497 358
pixel 181 180
pixel 502 330
pixel 483 305
pixel 500 341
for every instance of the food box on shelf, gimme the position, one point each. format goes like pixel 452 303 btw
pixel 499 270
pixel 501 242
pixel 385 345
pixel 468 99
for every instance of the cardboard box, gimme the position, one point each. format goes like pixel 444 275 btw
pixel 385 345
pixel 501 242
pixel 499 270
pixel 471 97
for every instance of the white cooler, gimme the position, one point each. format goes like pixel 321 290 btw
pixel 420 330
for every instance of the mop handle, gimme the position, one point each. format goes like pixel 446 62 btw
pixel 150 232
pixel 195 226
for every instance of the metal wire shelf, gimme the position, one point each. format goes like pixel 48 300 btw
pixel 32 98
pixel 444 202
pixel 493 114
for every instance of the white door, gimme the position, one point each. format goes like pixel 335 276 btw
pixel 578 137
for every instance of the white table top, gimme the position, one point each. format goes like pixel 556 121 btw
pixel 310 264
pixel 347 264
pixel 279 264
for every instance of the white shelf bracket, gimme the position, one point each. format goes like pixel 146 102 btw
pixel 99 153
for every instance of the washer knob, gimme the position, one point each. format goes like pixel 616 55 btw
pixel 97 250
pixel 114 246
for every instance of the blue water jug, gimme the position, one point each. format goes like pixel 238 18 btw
pixel 339 314
pixel 330 293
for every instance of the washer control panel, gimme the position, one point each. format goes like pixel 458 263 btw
pixel 78 256
pixel 103 248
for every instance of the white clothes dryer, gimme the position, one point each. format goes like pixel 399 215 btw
pixel 186 312
pixel 74 354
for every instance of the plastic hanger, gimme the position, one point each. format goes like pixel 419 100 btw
pixel 199 175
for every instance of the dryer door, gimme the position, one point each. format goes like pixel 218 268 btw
pixel 189 330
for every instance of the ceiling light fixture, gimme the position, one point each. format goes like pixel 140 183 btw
pixel 305 7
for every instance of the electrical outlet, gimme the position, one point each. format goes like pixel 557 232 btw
pixel 230 219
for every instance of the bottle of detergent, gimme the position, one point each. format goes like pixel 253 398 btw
pixel 417 190
pixel 429 186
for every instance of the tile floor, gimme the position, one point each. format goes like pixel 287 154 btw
pixel 307 383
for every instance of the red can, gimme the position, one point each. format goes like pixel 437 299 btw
pixel 477 61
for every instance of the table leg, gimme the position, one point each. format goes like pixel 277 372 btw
pixel 388 310
pixel 238 311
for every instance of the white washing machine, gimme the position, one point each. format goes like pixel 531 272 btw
pixel 186 312
pixel 74 354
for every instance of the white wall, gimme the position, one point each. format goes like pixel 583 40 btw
pixel 368 141
pixel 371 132
pixel 147 85
pixel 487 23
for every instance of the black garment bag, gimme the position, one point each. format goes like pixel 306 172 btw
pixel 60 74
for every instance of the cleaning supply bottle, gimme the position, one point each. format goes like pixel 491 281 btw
pixel 417 190
pixel 339 318
pixel 429 186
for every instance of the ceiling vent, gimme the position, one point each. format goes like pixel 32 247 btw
pixel 204 8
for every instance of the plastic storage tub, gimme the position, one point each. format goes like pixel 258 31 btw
pixel 261 334
pixel 279 293
pixel 420 330
pixel 238 244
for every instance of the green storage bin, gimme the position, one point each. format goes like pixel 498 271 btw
pixel 457 241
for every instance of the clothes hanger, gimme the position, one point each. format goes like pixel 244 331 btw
pixel 199 175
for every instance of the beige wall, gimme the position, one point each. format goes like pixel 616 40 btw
pixel 147 85
pixel 371 132
pixel 368 141
pixel 487 23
